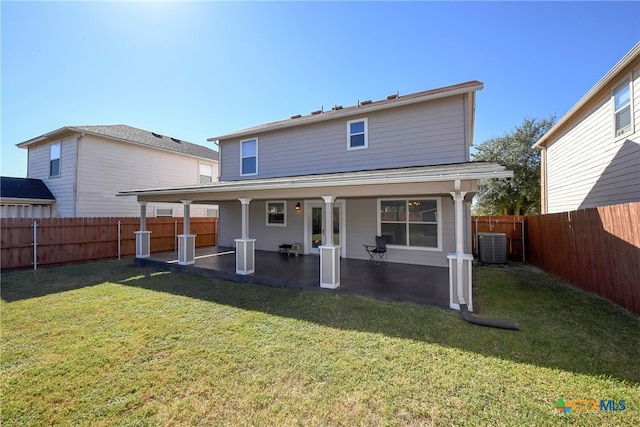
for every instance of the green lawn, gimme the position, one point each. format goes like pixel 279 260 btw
pixel 114 344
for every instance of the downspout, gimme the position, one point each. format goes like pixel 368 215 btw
pixel 464 311
pixel 217 142
pixel 77 167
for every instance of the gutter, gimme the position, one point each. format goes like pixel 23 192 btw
pixel 233 186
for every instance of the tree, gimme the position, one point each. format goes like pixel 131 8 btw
pixel 519 195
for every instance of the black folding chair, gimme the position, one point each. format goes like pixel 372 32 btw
pixel 377 253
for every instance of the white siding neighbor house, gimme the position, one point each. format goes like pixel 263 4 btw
pixel 591 157
pixel 86 166
pixel 334 180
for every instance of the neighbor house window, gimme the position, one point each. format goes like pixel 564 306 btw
pixel 249 157
pixel 277 213
pixel 622 108
pixel 54 159
pixel 206 173
pixel 410 223
pixel 357 135
pixel 164 212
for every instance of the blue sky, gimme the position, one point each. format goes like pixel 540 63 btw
pixel 199 69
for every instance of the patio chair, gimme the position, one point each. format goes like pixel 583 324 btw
pixel 377 253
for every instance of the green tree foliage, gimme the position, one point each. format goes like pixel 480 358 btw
pixel 519 195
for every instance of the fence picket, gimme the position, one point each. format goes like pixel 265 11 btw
pixel 69 240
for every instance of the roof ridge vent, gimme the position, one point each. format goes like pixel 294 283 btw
pixel 365 102
pixel 313 113
pixel 176 140
pixel 157 135
pixel 296 116
pixel 394 95
pixel 336 107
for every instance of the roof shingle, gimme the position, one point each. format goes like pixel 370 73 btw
pixel 24 188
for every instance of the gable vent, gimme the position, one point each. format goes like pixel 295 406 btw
pixel 157 135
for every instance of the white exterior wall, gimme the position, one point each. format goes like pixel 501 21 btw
pixel 106 167
pixel 62 187
pixel 423 134
pixel 588 167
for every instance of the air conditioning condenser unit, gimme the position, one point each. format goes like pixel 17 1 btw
pixel 492 248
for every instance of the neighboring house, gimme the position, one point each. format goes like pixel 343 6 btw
pixel 333 180
pixel 25 198
pixel 591 157
pixel 86 166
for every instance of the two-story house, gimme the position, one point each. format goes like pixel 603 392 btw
pixel 84 167
pixel 591 157
pixel 333 180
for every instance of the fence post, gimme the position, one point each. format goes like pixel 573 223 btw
pixel 119 253
pixel 35 245
pixel 523 242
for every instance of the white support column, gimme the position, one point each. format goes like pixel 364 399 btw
pixel 186 240
pixel 460 289
pixel 143 237
pixel 329 252
pixel 245 247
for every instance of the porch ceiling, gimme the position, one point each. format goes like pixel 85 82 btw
pixel 374 183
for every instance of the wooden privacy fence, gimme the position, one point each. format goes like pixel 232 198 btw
pixel 513 226
pixel 597 250
pixel 70 240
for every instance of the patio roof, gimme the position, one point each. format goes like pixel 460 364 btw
pixel 343 184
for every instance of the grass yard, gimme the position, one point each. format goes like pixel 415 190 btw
pixel 110 343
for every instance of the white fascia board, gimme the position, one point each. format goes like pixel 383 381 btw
pixel 20 201
pixel 43 137
pixel 299 184
pixel 347 112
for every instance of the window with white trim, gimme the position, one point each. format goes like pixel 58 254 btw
pixel 54 160
pixel 205 173
pixel 357 134
pixel 164 212
pixel 249 157
pixel 622 108
pixel 277 213
pixel 412 223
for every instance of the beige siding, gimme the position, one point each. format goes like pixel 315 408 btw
pixel 588 167
pixel 107 167
pixel 62 187
pixel 423 134
pixel 361 228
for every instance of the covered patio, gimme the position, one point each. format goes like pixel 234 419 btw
pixel 417 284
pixel 439 227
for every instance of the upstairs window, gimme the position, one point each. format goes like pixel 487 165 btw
pixel 249 157
pixel 54 159
pixel 277 213
pixel 622 108
pixel 357 134
pixel 206 173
